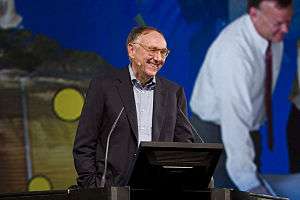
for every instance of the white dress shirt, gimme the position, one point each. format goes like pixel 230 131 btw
pixel 143 97
pixel 229 91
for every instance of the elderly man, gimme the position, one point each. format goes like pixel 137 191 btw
pixel 126 107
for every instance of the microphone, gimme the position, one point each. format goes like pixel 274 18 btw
pixel 212 182
pixel 103 178
pixel 190 124
pixel 266 185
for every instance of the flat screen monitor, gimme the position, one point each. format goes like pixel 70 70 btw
pixel 173 165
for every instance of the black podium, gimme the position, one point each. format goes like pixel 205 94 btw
pixel 179 171
pixel 174 166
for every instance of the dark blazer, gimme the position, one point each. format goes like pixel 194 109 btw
pixel 106 96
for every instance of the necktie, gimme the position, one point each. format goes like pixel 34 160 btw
pixel 268 94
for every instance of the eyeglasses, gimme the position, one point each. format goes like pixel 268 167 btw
pixel 152 50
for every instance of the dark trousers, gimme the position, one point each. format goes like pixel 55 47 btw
pixel 293 139
pixel 211 133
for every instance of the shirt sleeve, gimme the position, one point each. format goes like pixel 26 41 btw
pixel 234 80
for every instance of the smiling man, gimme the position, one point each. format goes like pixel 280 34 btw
pixel 126 107
pixel 147 55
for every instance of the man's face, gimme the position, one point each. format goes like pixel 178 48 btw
pixel 148 53
pixel 271 21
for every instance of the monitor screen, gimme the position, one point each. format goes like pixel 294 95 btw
pixel 173 165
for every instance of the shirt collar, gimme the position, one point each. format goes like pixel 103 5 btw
pixel 259 41
pixel 150 85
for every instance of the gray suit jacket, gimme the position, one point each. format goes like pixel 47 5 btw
pixel 106 96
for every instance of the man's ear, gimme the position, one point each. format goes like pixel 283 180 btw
pixel 253 12
pixel 131 51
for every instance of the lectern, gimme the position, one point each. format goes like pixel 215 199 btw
pixel 173 165
pixel 180 171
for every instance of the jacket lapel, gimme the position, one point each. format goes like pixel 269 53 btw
pixel 158 110
pixel 124 87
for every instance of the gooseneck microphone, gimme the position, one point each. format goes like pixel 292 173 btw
pixel 266 185
pixel 212 182
pixel 103 178
pixel 190 124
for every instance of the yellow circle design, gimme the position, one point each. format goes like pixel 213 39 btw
pixel 68 103
pixel 39 183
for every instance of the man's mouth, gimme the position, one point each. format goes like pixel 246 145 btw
pixel 153 65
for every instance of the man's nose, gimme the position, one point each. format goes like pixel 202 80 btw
pixel 158 56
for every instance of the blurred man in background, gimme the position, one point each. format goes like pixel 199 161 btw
pixel 232 94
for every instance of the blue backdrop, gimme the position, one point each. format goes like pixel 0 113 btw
pixel 189 26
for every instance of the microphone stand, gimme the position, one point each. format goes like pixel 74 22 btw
pixel 190 124
pixel 103 178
